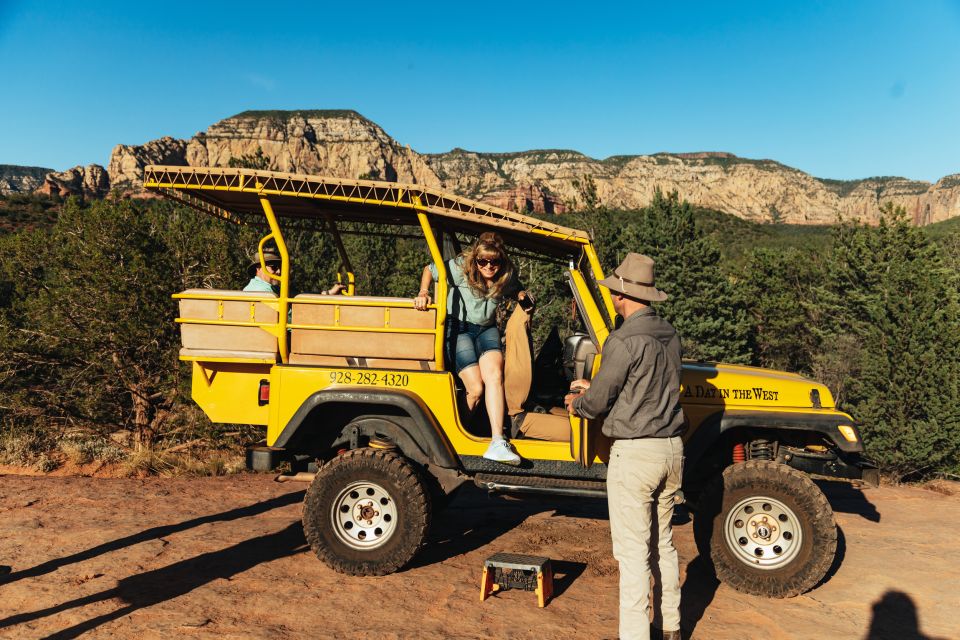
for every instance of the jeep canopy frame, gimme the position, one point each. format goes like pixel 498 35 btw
pixel 248 196
pixel 237 195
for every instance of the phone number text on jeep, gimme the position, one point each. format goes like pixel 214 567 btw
pixel 365 377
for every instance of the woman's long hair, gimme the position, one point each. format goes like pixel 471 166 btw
pixel 490 246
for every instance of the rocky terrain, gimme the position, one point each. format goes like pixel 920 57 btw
pixel 91 181
pixel 17 179
pixel 345 144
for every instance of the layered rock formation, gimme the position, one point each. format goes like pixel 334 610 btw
pixel 90 181
pixel 757 190
pixel 17 179
pixel 127 162
pixel 924 203
pixel 531 198
pixel 345 144
pixel 336 143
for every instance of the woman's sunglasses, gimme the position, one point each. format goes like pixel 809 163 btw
pixel 483 262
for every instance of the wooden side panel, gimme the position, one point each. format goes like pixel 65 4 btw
pixel 363 344
pixel 209 337
pixel 321 314
pixel 388 349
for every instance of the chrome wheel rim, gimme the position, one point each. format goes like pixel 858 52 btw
pixel 364 515
pixel 763 532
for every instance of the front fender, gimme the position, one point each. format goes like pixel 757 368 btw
pixel 420 437
pixel 719 423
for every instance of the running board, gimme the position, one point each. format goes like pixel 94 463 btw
pixel 540 485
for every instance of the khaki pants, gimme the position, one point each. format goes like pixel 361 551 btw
pixel 642 480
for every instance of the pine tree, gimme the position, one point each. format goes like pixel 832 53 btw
pixel 89 330
pixel 256 160
pixel 889 293
pixel 775 288
pixel 703 306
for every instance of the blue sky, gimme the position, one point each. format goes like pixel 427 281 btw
pixel 837 89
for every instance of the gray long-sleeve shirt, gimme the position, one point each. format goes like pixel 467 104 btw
pixel 638 384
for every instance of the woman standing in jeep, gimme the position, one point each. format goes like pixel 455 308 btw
pixel 480 278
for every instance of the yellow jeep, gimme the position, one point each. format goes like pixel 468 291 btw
pixel 353 388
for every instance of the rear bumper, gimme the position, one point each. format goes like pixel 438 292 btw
pixel 263 458
pixel 851 466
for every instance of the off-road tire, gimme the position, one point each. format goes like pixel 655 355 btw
pixel 786 493
pixel 389 477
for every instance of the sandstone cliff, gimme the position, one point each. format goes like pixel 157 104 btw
pixel 758 190
pixel 89 181
pixel 337 143
pixel 127 162
pixel 17 179
pixel 345 144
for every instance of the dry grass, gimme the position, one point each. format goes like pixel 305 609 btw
pixel 81 448
pixel 943 487
pixel 158 462
pixel 49 448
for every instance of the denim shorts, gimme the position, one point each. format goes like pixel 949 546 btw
pixel 466 342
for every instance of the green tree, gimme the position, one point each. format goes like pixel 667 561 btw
pixel 88 330
pixel 703 305
pixel 889 294
pixel 775 216
pixel 775 287
pixel 385 264
pixel 256 160
pixel 600 222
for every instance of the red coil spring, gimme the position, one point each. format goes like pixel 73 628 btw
pixel 739 453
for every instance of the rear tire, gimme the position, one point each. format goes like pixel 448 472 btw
pixel 367 512
pixel 766 529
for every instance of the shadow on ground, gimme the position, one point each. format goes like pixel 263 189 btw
pixel 895 617
pixel 475 519
pixel 847 498
pixel 156 532
pixel 159 585
pixel 697 592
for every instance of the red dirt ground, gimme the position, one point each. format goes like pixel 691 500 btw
pixel 226 558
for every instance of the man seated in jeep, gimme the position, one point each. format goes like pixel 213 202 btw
pixel 481 277
pixel 265 277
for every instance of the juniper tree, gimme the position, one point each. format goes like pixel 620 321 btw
pixel 703 305
pixel 889 293
pixel 776 289
pixel 89 326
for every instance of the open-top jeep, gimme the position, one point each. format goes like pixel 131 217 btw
pixel 355 388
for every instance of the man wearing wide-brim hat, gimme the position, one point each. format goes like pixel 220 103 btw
pixel 637 388
pixel 265 276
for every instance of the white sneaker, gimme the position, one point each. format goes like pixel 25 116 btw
pixel 502 451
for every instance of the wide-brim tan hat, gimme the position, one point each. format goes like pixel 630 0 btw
pixel 634 278
pixel 269 255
